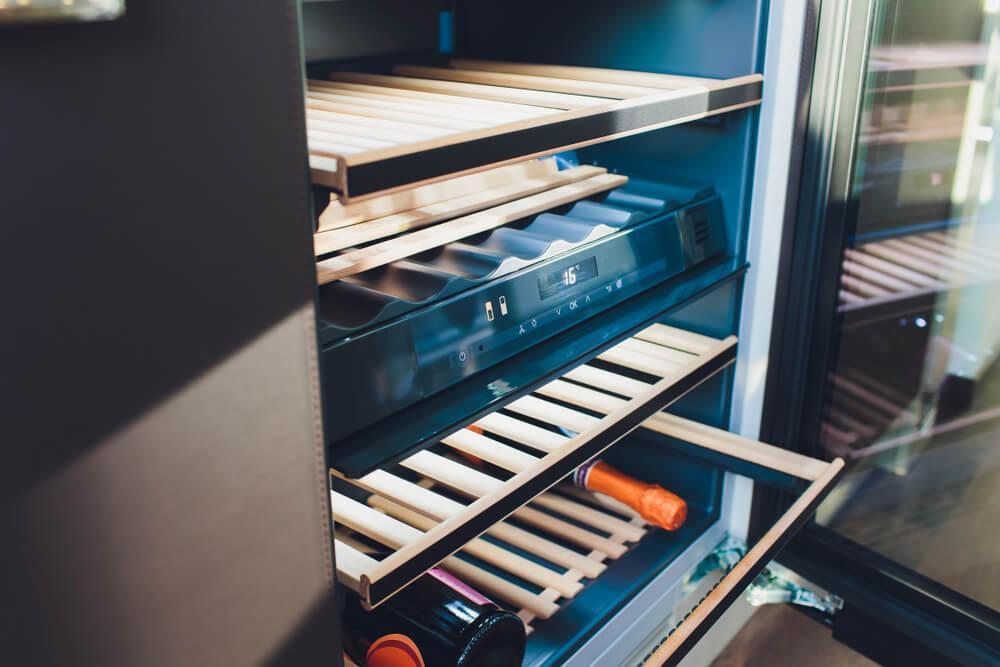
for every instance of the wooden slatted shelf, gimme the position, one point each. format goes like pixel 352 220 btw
pixel 880 273
pixel 533 547
pixel 424 527
pixel 533 196
pixel 377 133
pixel 554 575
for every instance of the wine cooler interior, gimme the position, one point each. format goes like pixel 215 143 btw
pixel 531 229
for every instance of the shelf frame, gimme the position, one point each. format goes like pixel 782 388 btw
pixel 365 174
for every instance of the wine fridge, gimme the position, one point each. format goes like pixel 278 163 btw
pixel 382 332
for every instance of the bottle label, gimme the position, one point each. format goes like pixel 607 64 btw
pixel 459 586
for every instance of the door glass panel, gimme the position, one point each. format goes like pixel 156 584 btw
pixel 914 389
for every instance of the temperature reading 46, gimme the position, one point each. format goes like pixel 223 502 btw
pixel 562 279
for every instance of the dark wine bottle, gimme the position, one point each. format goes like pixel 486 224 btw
pixel 450 623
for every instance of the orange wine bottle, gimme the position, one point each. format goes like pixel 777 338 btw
pixel 653 503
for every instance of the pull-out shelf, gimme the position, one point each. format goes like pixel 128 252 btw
pixel 540 545
pixel 670 361
pixel 501 525
pixel 370 133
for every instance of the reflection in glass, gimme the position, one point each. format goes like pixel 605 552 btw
pixel 914 388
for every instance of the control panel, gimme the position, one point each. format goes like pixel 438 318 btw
pixel 400 362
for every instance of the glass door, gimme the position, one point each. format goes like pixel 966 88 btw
pixel 913 388
pixel 888 351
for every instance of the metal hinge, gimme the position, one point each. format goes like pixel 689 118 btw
pixel 776 584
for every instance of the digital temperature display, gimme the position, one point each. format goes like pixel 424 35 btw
pixel 559 281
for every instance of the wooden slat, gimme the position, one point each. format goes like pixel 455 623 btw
pixel 691 431
pixel 906 260
pixel 389 251
pixel 589 516
pixel 852 423
pixel 324 133
pixel 584 397
pixel 403 93
pixel 522 433
pixel 394 533
pixel 500 588
pixel 314 101
pixel 477 91
pixel 343 215
pixel 332 149
pixel 356 542
pixel 963 242
pixel 591 566
pixel 408 494
pixel 364 123
pixel 488 552
pixel 847 297
pixel 667 354
pixel 861 287
pixel 948 266
pixel 608 502
pixel 451 473
pixel 728 443
pixel 639 362
pixel 949 263
pixel 374 230
pixel 551 413
pixel 490 450
pixel 679 339
pixel 545 83
pixel 367 521
pixel 989 265
pixel 351 564
pixel 753 559
pixel 868 396
pixel 498 110
pixel 323 123
pixel 477 484
pixel 419 108
pixel 606 380
pixel 436 506
pixel 569 532
pixel 876 278
pixel 890 268
pixel 621 77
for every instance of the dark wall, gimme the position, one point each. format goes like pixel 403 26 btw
pixel 346 30
pixel 711 38
pixel 163 498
